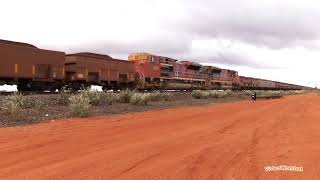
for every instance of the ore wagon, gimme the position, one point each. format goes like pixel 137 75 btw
pixel 31 68
pixel 85 69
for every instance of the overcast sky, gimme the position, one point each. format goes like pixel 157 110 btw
pixel 271 39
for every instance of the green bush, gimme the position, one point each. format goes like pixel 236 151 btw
pixel 156 96
pixel 247 93
pixel 159 96
pixel 39 104
pixel 108 98
pixel 223 94
pixel 93 96
pixel 278 93
pixel 166 96
pixel 272 93
pixel 125 96
pixel 79 105
pixel 140 99
pixel 61 99
pixel 295 92
pixel 15 104
pixel 228 92
pixel 211 94
pixel 198 94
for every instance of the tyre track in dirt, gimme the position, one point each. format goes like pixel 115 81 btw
pixel 226 141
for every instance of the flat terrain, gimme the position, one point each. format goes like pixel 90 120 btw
pixel 43 108
pixel 225 141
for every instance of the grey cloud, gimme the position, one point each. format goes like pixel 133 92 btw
pixel 123 48
pixel 274 24
pixel 233 59
pixel 163 44
pixel 176 49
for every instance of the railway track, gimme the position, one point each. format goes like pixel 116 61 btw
pixel 4 93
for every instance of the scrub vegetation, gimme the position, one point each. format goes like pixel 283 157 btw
pixel 20 109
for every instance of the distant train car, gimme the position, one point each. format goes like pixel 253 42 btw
pixel 246 82
pixel 31 68
pixel 262 84
pixel 257 84
pixel 85 69
pixel 266 84
pixel 230 78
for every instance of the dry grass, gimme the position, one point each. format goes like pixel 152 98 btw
pixel 125 96
pixel 211 94
pixel 160 96
pixel 14 103
pixel 140 99
pixel 18 109
pixel 94 97
pixel 79 105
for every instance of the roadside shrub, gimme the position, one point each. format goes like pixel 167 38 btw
pixel 197 94
pixel 155 96
pixel 125 96
pixel 79 105
pixel 39 104
pixel 203 94
pixel 281 93
pixel 61 99
pixel 93 96
pixel 159 96
pixel 108 98
pixel 223 94
pixel 228 92
pixel 140 99
pixel 247 93
pixel 15 104
pixel 166 96
pixel 290 92
pixel 211 94
pixel 299 92
pixel 272 93
pixel 295 92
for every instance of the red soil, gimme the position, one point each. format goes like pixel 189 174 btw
pixel 227 141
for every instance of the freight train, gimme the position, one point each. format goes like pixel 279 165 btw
pixel 35 69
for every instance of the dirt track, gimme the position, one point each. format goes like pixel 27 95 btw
pixel 227 141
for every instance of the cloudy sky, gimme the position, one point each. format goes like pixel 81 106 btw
pixel 271 39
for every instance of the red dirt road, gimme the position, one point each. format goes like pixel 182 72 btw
pixel 226 141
